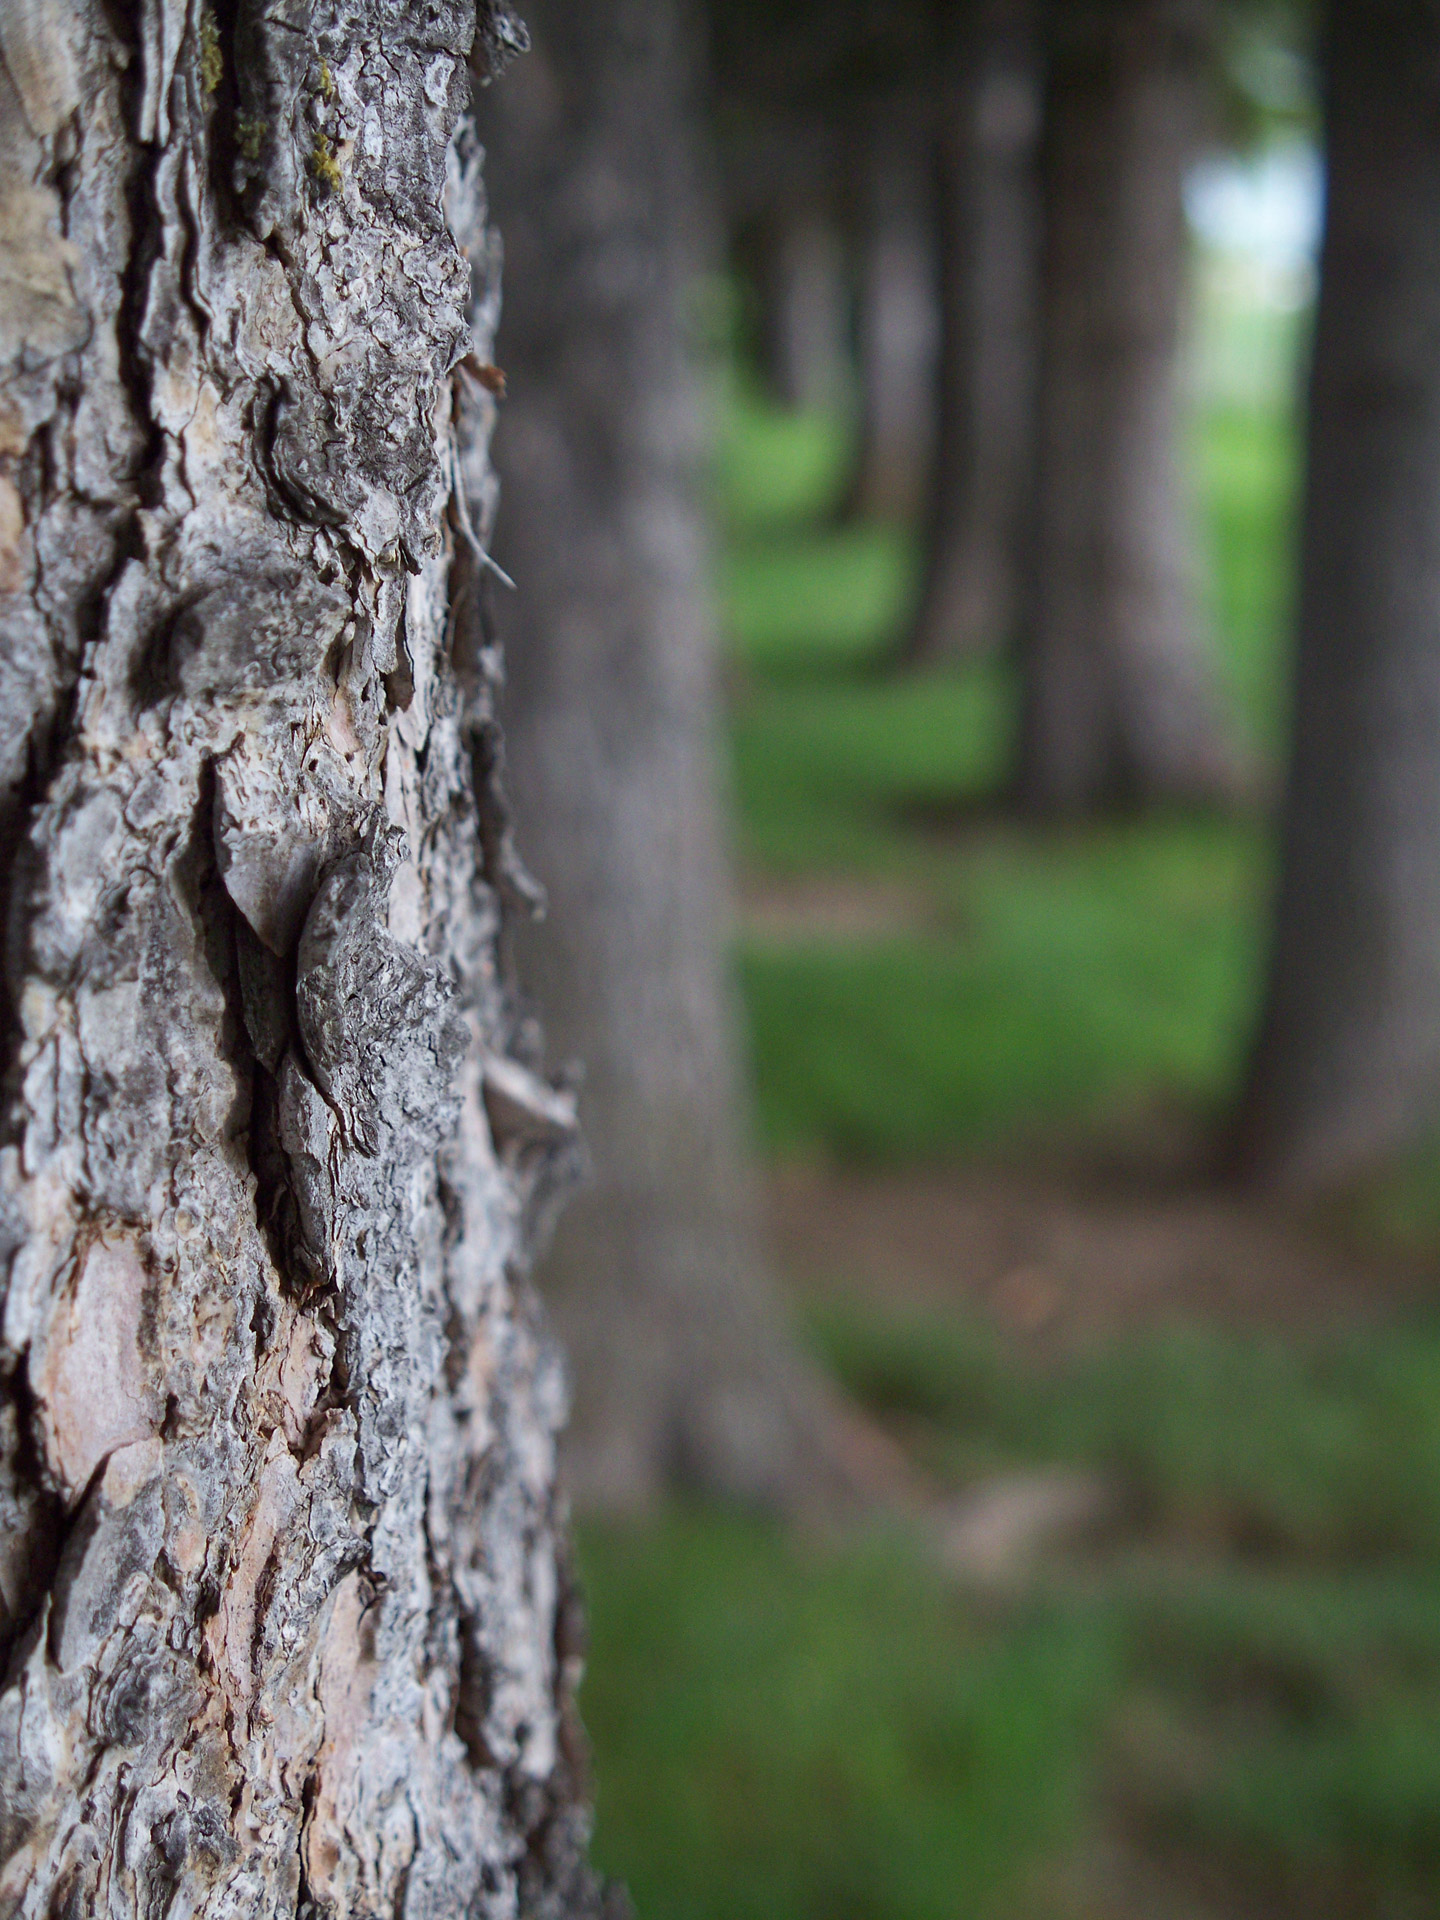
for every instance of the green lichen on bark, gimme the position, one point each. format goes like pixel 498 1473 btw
pixel 212 60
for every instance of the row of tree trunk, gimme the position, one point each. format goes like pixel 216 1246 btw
pixel 1058 510
pixel 1346 1072
pixel 684 1372
pixel 1056 519
pixel 1027 196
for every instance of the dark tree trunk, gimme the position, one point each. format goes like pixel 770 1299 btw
pixel 987 222
pixel 897 314
pixel 282 1599
pixel 1120 702
pixel 803 319
pixel 683 1372
pixel 1347 1068
pixel 777 173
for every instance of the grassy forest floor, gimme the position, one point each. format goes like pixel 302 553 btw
pixel 1186 1662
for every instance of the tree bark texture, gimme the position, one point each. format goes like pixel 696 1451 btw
pixel 1347 1067
pixel 683 1373
pixel 988 229
pixel 897 313
pixel 1119 699
pixel 282 1584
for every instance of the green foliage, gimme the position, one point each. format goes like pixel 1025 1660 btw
pixel 1266 83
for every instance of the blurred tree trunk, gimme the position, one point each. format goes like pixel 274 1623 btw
pixel 897 313
pixel 1347 1067
pixel 1119 697
pixel 803 322
pixel 683 1372
pixel 988 241
pixel 282 1594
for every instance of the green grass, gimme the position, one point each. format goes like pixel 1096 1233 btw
pixel 825 772
pixel 1324 1450
pixel 1289 1697
pixel 784 1734
pixel 1246 471
pixel 1081 982
pixel 1248 1675
pixel 1282 1727
pixel 823 601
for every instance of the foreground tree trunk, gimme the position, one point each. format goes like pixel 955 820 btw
pixel 969 598
pixel 1119 700
pixel 683 1371
pixel 1347 1068
pixel 283 1594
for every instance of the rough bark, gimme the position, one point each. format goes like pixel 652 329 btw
pixel 683 1371
pixel 1347 1067
pixel 1119 697
pixel 283 1593
pixel 897 310
pixel 988 227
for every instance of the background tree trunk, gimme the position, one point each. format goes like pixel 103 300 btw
pixel 803 318
pixel 897 313
pixel 683 1368
pixel 988 242
pixel 1119 697
pixel 1347 1067
pixel 283 1592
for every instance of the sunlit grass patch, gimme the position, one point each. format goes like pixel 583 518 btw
pixel 775 469
pixel 1088 979
pixel 833 772
pixel 1245 464
pixel 820 600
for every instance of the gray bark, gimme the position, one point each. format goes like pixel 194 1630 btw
pixel 988 226
pixel 1347 1068
pixel 683 1370
pixel 282 1586
pixel 1119 695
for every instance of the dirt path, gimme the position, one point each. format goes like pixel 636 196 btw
pixel 1068 1255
